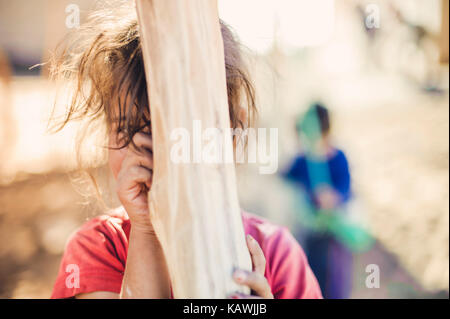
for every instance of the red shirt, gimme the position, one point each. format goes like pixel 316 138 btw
pixel 99 252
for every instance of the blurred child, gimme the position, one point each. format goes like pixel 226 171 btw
pixel 322 172
pixel 118 254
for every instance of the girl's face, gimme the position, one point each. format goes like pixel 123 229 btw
pixel 115 155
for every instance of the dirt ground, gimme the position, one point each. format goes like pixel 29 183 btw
pixel 36 217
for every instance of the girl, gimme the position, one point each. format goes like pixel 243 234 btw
pixel 118 255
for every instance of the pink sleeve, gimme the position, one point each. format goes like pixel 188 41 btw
pixel 287 269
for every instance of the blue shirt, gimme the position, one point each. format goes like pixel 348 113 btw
pixel 311 173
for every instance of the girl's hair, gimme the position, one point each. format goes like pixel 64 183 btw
pixel 105 62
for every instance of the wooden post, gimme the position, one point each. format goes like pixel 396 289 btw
pixel 444 32
pixel 194 206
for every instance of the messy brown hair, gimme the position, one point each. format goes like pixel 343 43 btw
pixel 105 63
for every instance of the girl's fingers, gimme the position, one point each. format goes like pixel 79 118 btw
pixel 136 174
pixel 257 255
pixel 255 281
pixel 144 159
pixel 143 140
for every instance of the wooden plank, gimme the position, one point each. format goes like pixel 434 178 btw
pixel 194 206
pixel 444 40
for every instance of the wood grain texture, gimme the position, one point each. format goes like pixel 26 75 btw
pixel 444 39
pixel 194 206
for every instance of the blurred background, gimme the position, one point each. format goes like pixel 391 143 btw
pixel 379 67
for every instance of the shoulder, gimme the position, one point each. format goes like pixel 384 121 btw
pixel 299 159
pixel 338 160
pixel 109 229
pixel 295 167
pixel 96 254
pixel 287 268
pixel 264 230
pixel 271 237
pixel 110 223
pixel 254 224
pixel 338 155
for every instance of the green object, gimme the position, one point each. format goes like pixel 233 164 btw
pixel 336 223
pixel 350 234
pixel 345 231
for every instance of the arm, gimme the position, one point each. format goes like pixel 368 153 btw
pixel 291 172
pixel 341 178
pixel 145 265
pixel 146 274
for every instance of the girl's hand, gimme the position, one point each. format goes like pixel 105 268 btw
pixel 255 280
pixel 327 198
pixel 135 179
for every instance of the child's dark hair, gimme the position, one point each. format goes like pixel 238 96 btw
pixel 316 112
pixel 323 116
pixel 105 61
